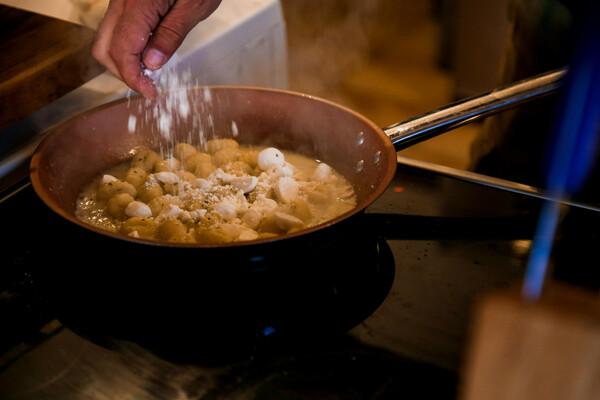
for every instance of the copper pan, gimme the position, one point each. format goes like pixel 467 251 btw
pixel 222 297
pixel 364 153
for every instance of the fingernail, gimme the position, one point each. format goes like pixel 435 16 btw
pixel 154 59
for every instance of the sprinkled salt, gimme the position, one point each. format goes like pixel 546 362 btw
pixel 131 123
pixel 234 129
pixel 174 105
pixel 207 96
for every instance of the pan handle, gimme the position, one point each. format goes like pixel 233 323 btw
pixel 415 130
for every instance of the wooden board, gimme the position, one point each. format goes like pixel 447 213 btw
pixel 42 59
pixel 549 350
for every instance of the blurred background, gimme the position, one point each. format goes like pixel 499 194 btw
pixel 391 60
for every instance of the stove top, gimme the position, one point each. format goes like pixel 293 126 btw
pixel 432 245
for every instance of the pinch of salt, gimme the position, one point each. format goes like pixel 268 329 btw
pixel 148 72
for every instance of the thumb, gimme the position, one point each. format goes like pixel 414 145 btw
pixel 173 28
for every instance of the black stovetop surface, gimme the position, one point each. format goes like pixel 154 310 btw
pixel 440 242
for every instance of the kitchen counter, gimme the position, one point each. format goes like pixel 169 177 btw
pixel 44 59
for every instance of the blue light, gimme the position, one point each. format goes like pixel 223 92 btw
pixel 269 330
pixel 573 147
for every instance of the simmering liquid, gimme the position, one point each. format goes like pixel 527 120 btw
pixel 220 193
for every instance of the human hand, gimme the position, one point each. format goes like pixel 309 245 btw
pixel 148 32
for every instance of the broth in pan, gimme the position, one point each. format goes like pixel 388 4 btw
pixel 219 193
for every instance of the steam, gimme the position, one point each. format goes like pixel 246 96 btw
pixel 327 41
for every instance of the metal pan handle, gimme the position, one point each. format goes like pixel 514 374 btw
pixel 415 130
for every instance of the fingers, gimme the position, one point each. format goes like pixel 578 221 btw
pixel 130 38
pixel 134 30
pixel 174 27
pixel 121 37
pixel 104 36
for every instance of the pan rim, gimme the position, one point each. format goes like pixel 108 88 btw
pixel 380 187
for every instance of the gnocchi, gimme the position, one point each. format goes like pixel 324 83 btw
pixel 221 192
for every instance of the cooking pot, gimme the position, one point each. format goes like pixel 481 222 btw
pixel 225 297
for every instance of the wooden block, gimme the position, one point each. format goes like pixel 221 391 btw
pixel 547 350
pixel 42 59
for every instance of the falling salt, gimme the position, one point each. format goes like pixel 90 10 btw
pixel 131 123
pixel 164 124
pixel 207 96
pixel 172 106
pixel 176 105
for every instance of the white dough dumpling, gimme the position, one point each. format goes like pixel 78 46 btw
pixel 269 158
pixel 323 173
pixel 288 222
pixel 286 189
